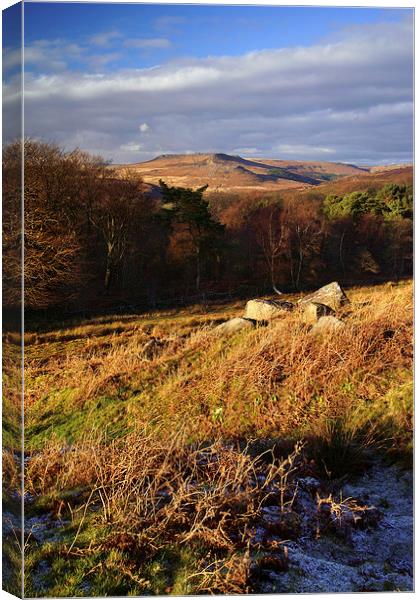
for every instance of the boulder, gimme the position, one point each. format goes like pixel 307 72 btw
pixel 265 310
pixel 234 325
pixel 331 295
pixel 312 311
pixel 327 325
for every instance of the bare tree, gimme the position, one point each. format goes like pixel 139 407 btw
pixel 304 236
pixel 117 205
pixel 52 266
pixel 271 237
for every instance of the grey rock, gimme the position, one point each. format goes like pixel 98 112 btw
pixel 313 311
pixel 234 325
pixel 331 295
pixel 327 325
pixel 266 310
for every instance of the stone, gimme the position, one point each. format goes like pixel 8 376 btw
pixel 152 348
pixel 331 295
pixel 327 325
pixel 313 311
pixel 234 325
pixel 265 310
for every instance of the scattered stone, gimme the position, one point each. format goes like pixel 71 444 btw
pixel 309 484
pixel 327 325
pixel 283 524
pixel 313 311
pixel 152 348
pixel 331 295
pixel 266 310
pixel 234 325
pixel 376 556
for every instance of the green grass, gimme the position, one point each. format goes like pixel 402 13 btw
pixel 347 395
pixel 106 572
pixel 87 378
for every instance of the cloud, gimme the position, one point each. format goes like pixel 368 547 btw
pixel 131 147
pixel 169 22
pixel 147 43
pixel 12 57
pixel 301 149
pixel 144 127
pixel 105 38
pixel 246 151
pixel 45 55
pixel 346 99
pixel 99 61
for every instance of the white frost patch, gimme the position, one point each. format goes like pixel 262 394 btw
pixel 374 559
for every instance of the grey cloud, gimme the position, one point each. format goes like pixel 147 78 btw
pixel 147 43
pixel 347 99
pixel 99 61
pixel 105 38
pixel 48 55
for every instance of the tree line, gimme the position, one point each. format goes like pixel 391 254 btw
pixel 95 236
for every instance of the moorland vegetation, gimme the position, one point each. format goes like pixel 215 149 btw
pixel 164 457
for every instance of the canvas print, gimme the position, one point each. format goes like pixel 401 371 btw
pixel 207 299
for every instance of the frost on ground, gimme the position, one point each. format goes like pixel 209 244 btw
pixel 378 557
pixel 319 539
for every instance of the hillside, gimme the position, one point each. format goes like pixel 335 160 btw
pixel 363 181
pixel 233 173
pixel 382 168
pixel 321 170
pixel 128 430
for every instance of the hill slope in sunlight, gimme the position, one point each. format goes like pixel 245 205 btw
pixel 233 173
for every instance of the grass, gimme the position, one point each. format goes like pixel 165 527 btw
pixel 145 520
pixel 154 455
pixel 270 382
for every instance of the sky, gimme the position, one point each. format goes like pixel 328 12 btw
pixel 130 82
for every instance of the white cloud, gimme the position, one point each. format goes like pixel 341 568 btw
pixel 12 57
pixel 301 149
pixel 143 43
pixel 246 151
pixel 131 147
pixel 45 55
pixel 99 61
pixel 349 99
pixel 144 127
pixel 105 38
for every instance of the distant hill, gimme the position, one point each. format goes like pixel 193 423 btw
pixel 382 168
pixel 361 182
pixel 223 172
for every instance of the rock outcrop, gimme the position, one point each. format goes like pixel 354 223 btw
pixel 331 295
pixel 313 311
pixel 266 310
pixel 234 325
pixel 327 325
pixel 317 309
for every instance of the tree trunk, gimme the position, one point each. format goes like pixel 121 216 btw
pixel 198 271
pixel 108 273
pixel 341 253
pixel 273 282
pixel 299 269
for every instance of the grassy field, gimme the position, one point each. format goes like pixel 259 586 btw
pixel 154 443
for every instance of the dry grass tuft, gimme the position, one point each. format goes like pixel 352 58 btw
pixel 141 434
pixel 147 494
